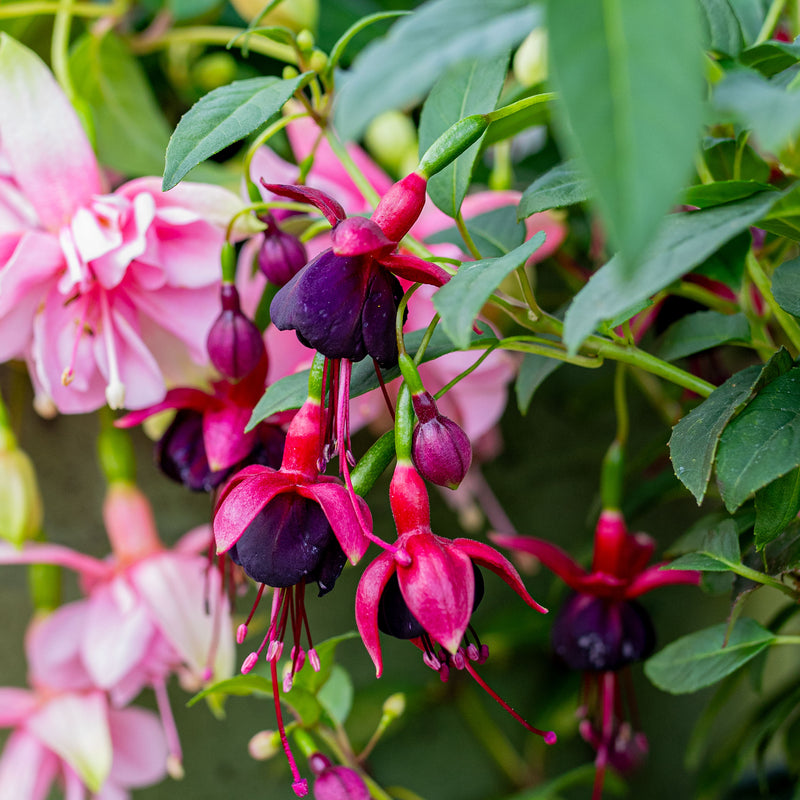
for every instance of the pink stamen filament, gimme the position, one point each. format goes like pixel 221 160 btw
pixel 175 757
pixel 384 391
pixel 548 736
pixel 69 372
pixel 115 389
pixel 609 701
pixel 300 785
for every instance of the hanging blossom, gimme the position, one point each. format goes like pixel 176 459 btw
pixel 602 629
pixel 98 290
pixel 149 612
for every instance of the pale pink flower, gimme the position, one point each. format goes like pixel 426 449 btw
pixel 148 612
pixel 98 291
pixel 66 732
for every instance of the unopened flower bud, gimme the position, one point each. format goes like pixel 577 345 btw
pixel 281 255
pixel 305 40
pixel 440 449
pixel 530 61
pixel 20 500
pixel 235 345
pixel 400 207
pixel 395 705
pixel 336 782
pixel 391 137
pixel 264 745
pixel 318 61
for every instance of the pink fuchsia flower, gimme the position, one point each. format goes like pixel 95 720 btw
pixel 145 615
pixel 70 735
pixel 602 629
pixel 427 590
pixel 335 782
pixel 207 440
pixel 96 290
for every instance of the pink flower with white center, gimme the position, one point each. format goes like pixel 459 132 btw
pixel 98 291
pixel 71 735
pixel 148 612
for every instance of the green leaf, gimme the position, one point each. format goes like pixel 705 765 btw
pixel 469 87
pixel 685 240
pixel 563 185
pixel 763 442
pixel 494 233
pixel 700 331
pixel 189 9
pixel 771 57
pixel 460 300
pixel 336 696
pixel 396 71
pixel 771 112
pixel 719 551
pixel 222 117
pixel 782 554
pixel 337 51
pixel 724 35
pixel 291 391
pixel 312 681
pixel 694 440
pixel 619 91
pixel 533 371
pixel 727 265
pixel 131 132
pixel 239 685
pixel 786 286
pixel 703 658
pixel 732 159
pixel 777 505
pixel 705 195
pixel 750 14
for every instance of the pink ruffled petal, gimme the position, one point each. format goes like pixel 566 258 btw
pixel 485 556
pixel 368 595
pixel 182 397
pixel 27 769
pixel 224 437
pixel 75 727
pixel 140 748
pixel 552 556
pixel 338 507
pixel 243 502
pixel 42 137
pixel 438 587
pixel 15 706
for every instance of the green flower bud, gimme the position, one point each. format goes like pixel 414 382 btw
pixel 21 509
pixel 214 70
pixel 305 41
pixel 289 72
pixel 264 745
pixel 318 62
pixel 293 14
pixel 391 137
pixel 395 705
pixel 530 61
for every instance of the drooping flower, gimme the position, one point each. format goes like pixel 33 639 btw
pixel 602 629
pixel 96 289
pixel 344 302
pixel 281 256
pixel 336 782
pixel 148 612
pixel 429 595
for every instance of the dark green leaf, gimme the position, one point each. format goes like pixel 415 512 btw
pixel 533 371
pixel 723 32
pixel 771 57
pixel 563 185
pixel 777 505
pixel 619 90
pixel 750 14
pixel 469 87
pixel 782 554
pixel 705 195
pixel 727 265
pixel 222 117
pixel 700 331
pixel 784 217
pixel 396 71
pixel 728 159
pixel 291 391
pixel 771 112
pixel 718 552
pixel 336 696
pixel 685 240
pixel 694 440
pixel 359 25
pixel 786 286
pixel 763 442
pixel 131 132
pixel 703 658
pixel 494 233
pixel 460 300
pixel 312 681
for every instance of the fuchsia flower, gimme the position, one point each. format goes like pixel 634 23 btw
pixel 335 782
pixel 602 629
pixel 97 290
pixel 144 616
pixel 429 594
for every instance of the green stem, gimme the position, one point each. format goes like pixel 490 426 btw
pixel 398 320
pixel 527 293
pixel 467 236
pixel 426 339
pixel 759 577
pixel 786 639
pixel 448 386
pixel 340 151
pixel 401 793
pixel 520 105
pixel 621 405
pixel 789 324
pixel 770 21
pixel 260 140
pixel 33 8
pixel 59 48
pixel 208 34
pixel 706 297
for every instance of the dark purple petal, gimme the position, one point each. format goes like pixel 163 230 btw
pixel 181 453
pixel 596 634
pixel 378 320
pixel 323 303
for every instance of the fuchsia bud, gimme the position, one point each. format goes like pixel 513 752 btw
pixel 234 343
pixel 281 255
pixel 336 782
pixel 440 449
pixel 400 207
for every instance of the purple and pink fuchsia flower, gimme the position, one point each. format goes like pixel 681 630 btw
pixel 429 595
pixel 601 630
pixel 336 782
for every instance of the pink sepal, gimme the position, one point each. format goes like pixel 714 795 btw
pixel 356 236
pixel 415 269
pixel 335 501
pixel 656 576
pixel 329 207
pixel 368 595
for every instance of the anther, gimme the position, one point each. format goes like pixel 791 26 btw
pixel 249 663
